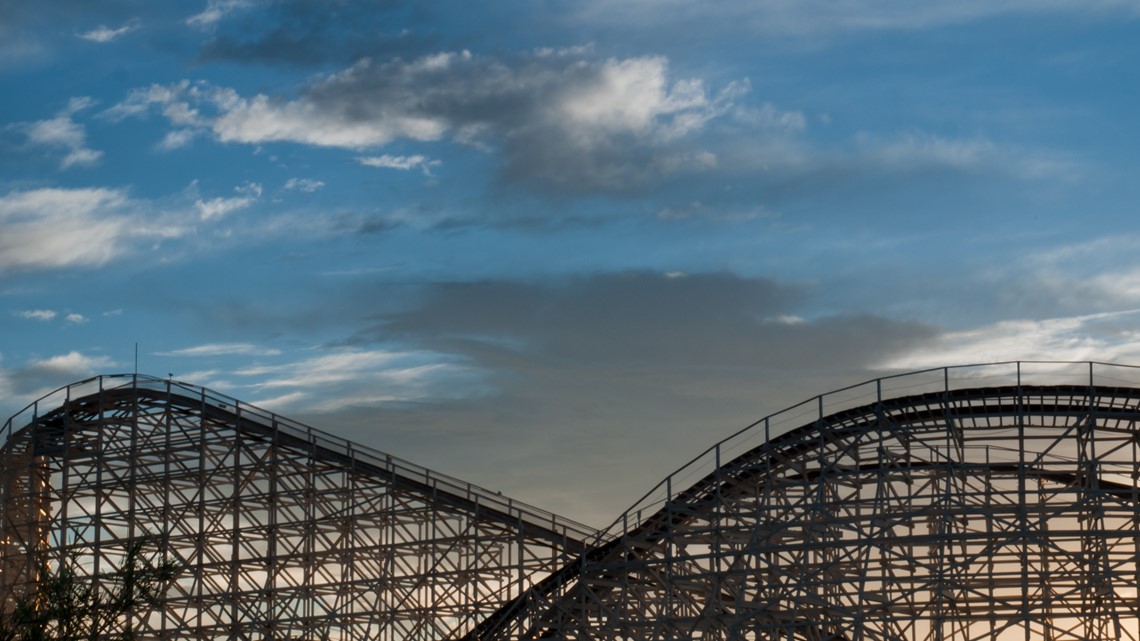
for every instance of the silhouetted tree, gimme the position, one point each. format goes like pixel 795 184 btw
pixel 65 607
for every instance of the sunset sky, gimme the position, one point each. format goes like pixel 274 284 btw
pixel 556 248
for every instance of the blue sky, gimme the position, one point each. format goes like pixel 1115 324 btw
pixel 555 248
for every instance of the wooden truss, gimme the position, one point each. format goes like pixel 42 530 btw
pixel 979 503
pixel 284 532
pixel 966 513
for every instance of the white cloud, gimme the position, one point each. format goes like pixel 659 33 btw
pixel 204 377
pixel 38 314
pixel 1122 286
pixel 628 95
pixel 579 124
pixel 323 370
pixel 306 185
pixel 75 319
pixel 362 377
pixel 54 228
pixel 403 163
pixel 172 98
pixel 911 150
pixel 260 120
pixel 1107 336
pixel 177 139
pixel 63 227
pixel 216 10
pixel 576 50
pixel 1088 276
pixel 74 364
pixel 767 116
pixel 907 149
pixel 104 34
pixel 36 378
pixel 63 133
pixel 633 95
pixel 219 207
pixel 291 399
pixel 223 349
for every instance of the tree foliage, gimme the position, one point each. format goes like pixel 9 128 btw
pixel 64 606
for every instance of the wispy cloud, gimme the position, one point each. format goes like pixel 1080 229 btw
pixel 1069 279
pixel 216 10
pixel 104 34
pixel 38 314
pixel 75 319
pixel 573 51
pixel 403 163
pixel 219 207
pixel 307 185
pixel 63 227
pixel 223 349
pixel 355 377
pixel 177 139
pixel 56 228
pixel 917 150
pixel 63 133
pixel 1108 336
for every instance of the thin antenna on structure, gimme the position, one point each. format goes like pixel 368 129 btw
pixel 136 359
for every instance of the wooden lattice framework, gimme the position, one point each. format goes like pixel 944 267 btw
pixel 283 532
pixel 982 502
pixel 1006 512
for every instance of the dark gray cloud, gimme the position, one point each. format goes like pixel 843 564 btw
pixel 611 376
pixel 632 317
pixel 307 32
pixel 643 318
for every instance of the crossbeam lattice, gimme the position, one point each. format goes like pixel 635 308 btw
pixel 1007 513
pixel 952 512
pixel 283 532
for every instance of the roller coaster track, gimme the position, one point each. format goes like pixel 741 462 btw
pixel 982 502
